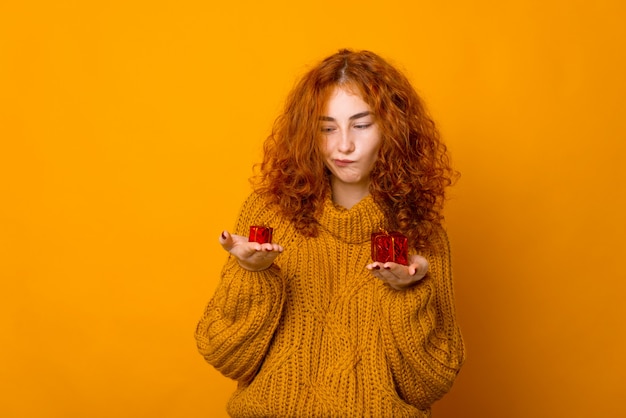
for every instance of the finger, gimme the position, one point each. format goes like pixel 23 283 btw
pixel 226 240
pixel 420 263
pixel 390 265
pixel 270 247
pixel 420 269
pixel 383 274
pixel 373 266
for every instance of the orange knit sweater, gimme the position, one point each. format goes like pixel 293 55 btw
pixel 316 335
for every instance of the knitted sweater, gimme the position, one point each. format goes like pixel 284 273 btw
pixel 317 335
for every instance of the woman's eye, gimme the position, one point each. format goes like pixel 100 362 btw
pixel 327 129
pixel 363 125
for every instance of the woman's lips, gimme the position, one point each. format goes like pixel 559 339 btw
pixel 343 163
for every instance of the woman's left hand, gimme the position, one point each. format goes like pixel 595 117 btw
pixel 398 276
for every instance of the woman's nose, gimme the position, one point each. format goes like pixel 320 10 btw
pixel 346 143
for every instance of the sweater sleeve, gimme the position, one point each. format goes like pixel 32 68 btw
pixel 238 324
pixel 422 339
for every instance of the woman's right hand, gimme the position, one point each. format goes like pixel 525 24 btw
pixel 250 255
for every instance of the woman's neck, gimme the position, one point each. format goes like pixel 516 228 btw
pixel 348 195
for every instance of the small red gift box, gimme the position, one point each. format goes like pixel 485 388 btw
pixel 260 234
pixel 391 246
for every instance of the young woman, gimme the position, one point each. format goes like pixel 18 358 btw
pixel 309 325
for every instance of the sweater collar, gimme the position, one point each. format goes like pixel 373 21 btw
pixel 354 225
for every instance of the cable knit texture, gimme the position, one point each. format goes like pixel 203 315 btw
pixel 317 335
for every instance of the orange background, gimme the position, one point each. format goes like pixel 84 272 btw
pixel 128 130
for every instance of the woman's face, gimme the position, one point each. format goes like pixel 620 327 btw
pixel 350 139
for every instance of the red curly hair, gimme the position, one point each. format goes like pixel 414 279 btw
pixel 412 171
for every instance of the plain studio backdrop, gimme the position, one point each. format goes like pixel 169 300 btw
pixel 128 130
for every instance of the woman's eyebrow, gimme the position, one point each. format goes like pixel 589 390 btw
pixel 360 115
pixel 356 116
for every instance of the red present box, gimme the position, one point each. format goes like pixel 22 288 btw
pixel 260 234
pixel 391 246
